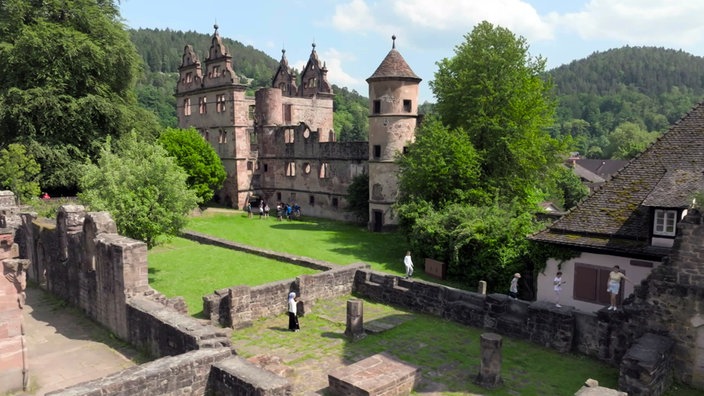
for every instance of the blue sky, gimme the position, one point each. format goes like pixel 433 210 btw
pixel 353 36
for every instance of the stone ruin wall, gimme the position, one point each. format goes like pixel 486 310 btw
pixel 64 264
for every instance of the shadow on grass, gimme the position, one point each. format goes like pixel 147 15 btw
pixel 330 334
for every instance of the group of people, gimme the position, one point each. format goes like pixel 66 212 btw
pixel 289 211
pixel 613 286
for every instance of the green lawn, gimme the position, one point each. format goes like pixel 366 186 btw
pixel 336 242
pixel 189 269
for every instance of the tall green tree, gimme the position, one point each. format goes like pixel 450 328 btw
pixel 192 153
pixel 19 172
pixel 141 186
pixel 496 92
pixel 358 197
pixel 67 73
pixel 440 166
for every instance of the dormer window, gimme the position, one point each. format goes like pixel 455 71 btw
pixel 665 222
pixel 189 78
pixel 216 71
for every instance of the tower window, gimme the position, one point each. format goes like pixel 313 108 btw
pixel 377 107
pixel 405 149
pixel 377 151
pixel 407 106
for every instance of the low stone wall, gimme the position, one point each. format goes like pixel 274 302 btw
pixel 289 258
pixel 237 306
pixel 165 332
pixel 185 374
pixel 236 376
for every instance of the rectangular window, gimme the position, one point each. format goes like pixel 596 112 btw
pixel 334 202
pixel 590 284
pixel 405 149
pixel 665 222
pixel 201 105
pixel 377 151
pixel 220 103
pixel 222 138
pixel 216 71
pixel 324 170
pixel 278 196
pixel 287 113
pixel 189 78
pixel 377 107
pixel 252 137
pixel 266 169
pixel 291 169
pixel 407 105
pixel 249 165
pixel 311 200
pixel 187 106
pixel 250 113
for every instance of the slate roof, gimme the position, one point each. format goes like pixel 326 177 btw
pixel 616 218
pixel 394 66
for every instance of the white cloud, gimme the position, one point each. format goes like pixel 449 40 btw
pixel 461 15
pixel 334 61
pixel 354 15
pixel 638 22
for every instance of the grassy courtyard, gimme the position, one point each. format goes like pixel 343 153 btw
pixel 448 353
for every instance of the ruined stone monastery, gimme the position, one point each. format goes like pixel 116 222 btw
pixel 279 146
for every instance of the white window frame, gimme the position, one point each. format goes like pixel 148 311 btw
pixel 665 222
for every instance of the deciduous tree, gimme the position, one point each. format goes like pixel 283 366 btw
pixel 141 186
pixel 67 72
pixel 19 172
pixel 202 164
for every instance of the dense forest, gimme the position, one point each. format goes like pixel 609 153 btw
pixel 611 104
pixel 614 103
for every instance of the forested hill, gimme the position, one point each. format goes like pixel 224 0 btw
pixel 652 71
pixel 615 103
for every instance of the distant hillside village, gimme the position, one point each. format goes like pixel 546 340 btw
pixel 279 146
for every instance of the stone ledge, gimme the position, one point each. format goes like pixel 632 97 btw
pixel 379 374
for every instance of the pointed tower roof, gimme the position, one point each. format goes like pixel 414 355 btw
pixel 394 66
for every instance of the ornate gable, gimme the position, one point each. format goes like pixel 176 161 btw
pixel 314 80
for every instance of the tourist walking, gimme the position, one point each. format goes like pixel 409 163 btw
pixel 293 312
pixel 614 285
pixel 557 286
pixel 409 264
pixel 513 288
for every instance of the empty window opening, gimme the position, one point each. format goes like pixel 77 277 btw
pixel 407 105
pixel 306 168
pixel 291 169
pixel 377 107
pixel 266 167
pixel 202 105
pixel 377 151
pixel 311 200
pixel 289 135
pixel 334 202
pixel 220 103
pixel 187 106
pixel 222 138
pixel 249 165
pixel 324 170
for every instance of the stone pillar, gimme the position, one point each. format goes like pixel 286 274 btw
pixel 481 289
pixel 14 373
pixel 355 320
pixel 490 370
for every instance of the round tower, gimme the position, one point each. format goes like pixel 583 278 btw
pixel 393 114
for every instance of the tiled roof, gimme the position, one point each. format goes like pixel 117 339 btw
pixel 393 66
pixel 617 216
